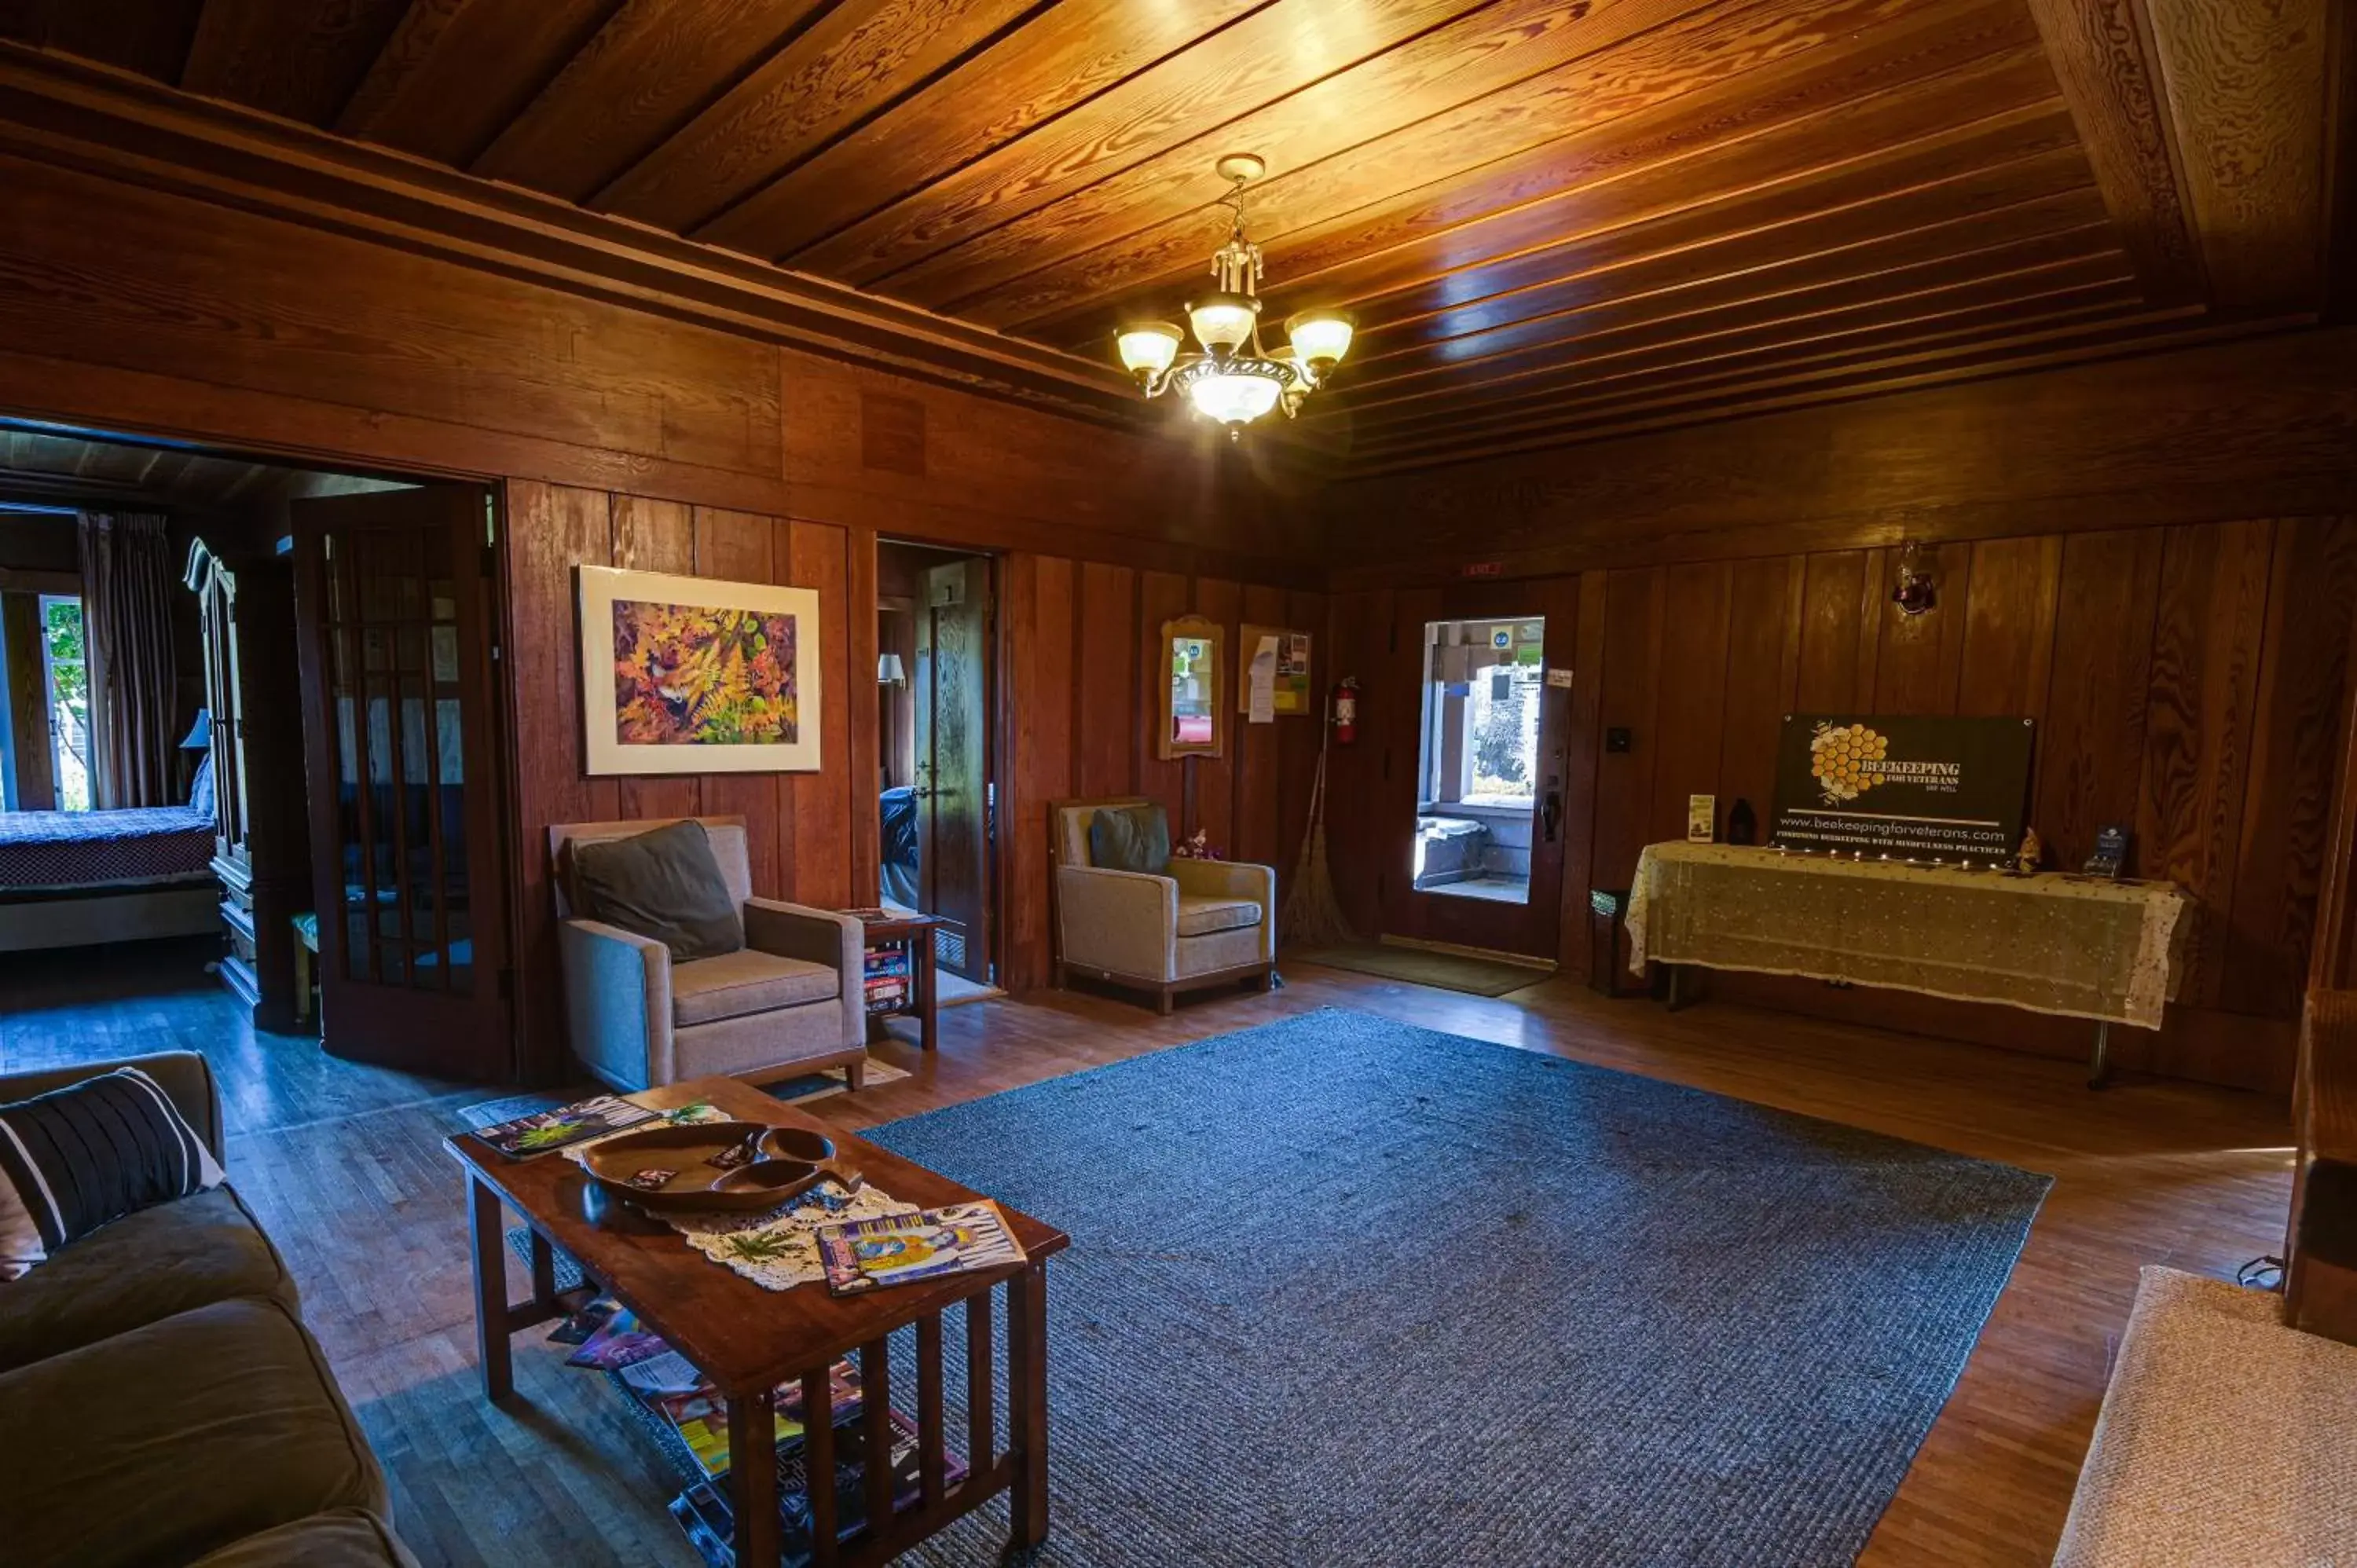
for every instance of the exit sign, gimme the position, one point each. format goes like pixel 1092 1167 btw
pixel 1482 569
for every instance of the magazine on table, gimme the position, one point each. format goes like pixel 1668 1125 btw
pixel 700 1415
pixel 902 1249
pixel 618 1342
pixel 545 1130
pixel 703 1511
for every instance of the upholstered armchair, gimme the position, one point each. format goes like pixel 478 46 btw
pixel 791 1001
pixel 1199 923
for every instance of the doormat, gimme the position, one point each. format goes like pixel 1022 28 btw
pixel 1421 966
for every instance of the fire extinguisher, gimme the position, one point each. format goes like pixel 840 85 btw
pixel 1346 710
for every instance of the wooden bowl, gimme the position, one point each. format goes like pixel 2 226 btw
pixel 734 1166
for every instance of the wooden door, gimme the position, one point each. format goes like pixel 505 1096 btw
pixel 395 595
pixel 953 804
pixel 1480 802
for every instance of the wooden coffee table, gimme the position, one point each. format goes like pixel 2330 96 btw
pixel 748 1340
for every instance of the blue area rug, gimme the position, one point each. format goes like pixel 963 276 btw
pixel 1345 1291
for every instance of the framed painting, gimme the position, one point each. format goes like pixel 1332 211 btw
pixel 689 675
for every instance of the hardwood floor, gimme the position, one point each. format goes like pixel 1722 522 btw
pixel 344 1164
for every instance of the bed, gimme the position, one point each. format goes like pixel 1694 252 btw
pixel 69 878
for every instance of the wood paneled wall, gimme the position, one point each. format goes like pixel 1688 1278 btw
pixel 1084 660
pixel 1076 639
pixel 131 308
pixel 2187 680
pixel 630 430
pixel 2261 428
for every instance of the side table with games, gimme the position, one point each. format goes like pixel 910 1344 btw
pixel 900 971
pixel 768 1356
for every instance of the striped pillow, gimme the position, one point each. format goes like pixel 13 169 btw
pixel 75 1158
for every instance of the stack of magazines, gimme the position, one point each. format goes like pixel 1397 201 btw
pixel 861 1255
pixel 689 1421
pixel 887 979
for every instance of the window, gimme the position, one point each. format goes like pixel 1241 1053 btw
pixel 1484 687
pixel 69 692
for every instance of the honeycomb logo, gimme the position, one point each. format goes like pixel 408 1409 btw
pixel 1842 758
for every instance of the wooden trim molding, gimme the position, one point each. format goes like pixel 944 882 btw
pixel 92 117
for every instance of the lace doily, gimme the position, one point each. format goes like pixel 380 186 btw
pixel 777 1250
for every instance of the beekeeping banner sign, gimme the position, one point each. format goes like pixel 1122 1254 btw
pixel 1911 788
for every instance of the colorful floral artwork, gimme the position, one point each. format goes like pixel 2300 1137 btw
pixel 694 675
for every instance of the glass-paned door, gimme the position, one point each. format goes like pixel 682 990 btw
pixel 1477 859
pixel 394 600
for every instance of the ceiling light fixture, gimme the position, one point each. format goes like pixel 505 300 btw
pixel 1233 381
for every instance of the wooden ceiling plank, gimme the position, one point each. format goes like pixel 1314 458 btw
pixel 1927 180
pixel 2247 86
pixel 2148 330
pixel 1958 343
pixel 1407 243
pixel 1865 340
pixel 297 58
pixel 1273 84
pixel 2102 53
pixel 644 75
pixel 151 38
pixel 1924 214
pixel 850 63
pixel 1040 71
pixel 456 72
pixel 2030 270
pixel 1096 244
pixel 1954 244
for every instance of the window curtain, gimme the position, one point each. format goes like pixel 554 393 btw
pixel 127 609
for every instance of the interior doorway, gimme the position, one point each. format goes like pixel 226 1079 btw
pixel 1480 851
pixel 335 714
pixel 936 632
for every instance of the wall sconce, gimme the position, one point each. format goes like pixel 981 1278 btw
pixel 889 671
pixel 1915 591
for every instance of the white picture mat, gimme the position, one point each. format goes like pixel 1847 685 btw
pixel 600 587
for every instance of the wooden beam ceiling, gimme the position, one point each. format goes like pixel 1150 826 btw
pixel 1554 218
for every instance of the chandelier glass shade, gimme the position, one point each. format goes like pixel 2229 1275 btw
pixel 1232 380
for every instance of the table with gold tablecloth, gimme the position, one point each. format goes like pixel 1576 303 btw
pixel 2076 946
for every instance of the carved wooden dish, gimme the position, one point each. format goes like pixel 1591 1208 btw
pixel 741 1167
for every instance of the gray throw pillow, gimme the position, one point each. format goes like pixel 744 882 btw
pixel 663 884
pixel 1130 838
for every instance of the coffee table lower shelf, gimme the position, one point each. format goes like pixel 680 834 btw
pixel 748 1342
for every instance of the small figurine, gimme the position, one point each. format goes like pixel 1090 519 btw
pixel 2026 858
pixel 1742 824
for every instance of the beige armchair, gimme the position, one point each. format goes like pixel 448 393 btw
pixel 791 1001
pixel 1209 922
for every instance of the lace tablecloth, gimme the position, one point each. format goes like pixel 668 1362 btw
pixel 777 1250
pixel 2079 946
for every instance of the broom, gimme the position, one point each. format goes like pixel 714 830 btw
pixel 1313 915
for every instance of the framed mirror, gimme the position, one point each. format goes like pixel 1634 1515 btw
pixel 1194 667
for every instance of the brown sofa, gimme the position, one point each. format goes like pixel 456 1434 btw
pixel 161 1404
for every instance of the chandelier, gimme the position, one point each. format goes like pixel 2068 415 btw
pixel 1235 380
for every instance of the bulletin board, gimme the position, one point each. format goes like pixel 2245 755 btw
pixel 1293 653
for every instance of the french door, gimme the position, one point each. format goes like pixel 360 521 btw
pixel 953 713
pixel 394 608
pixel 1478 839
